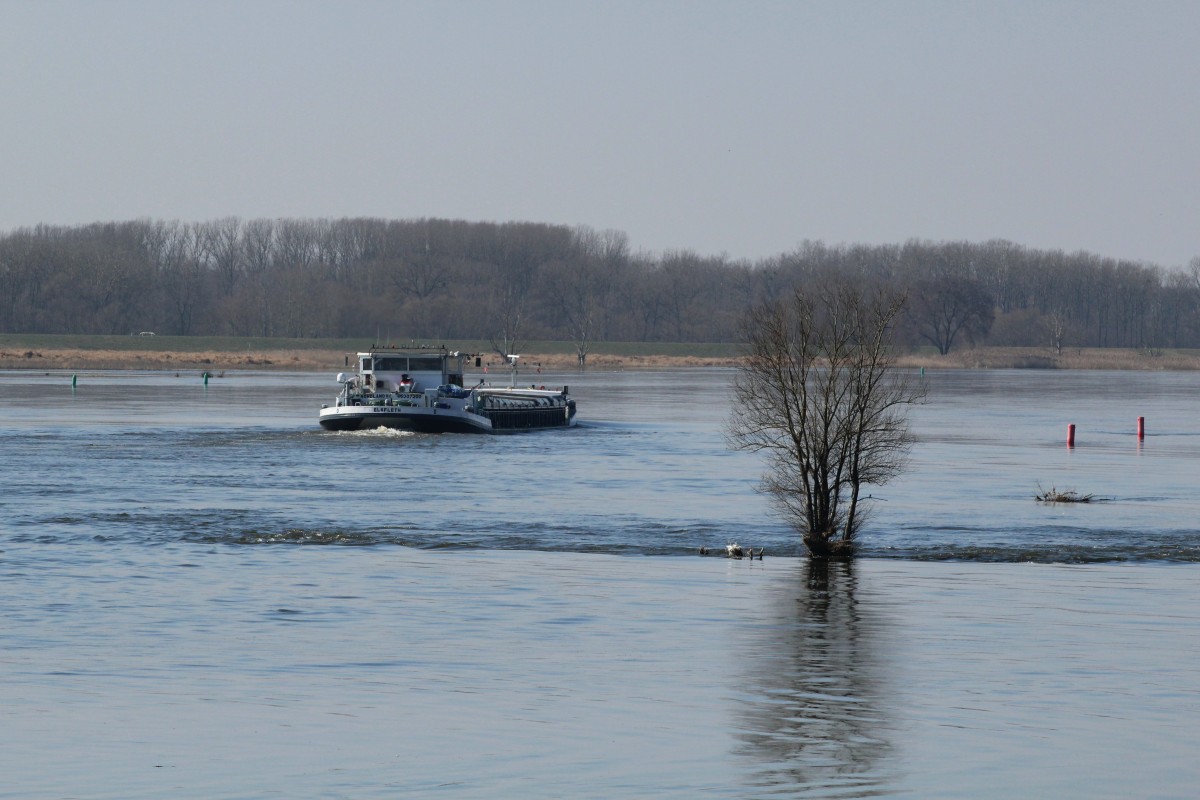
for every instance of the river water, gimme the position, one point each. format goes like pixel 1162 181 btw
pixel 204 595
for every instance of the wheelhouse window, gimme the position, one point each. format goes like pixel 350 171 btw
pixel 425 364
pixel 366 365
pixel 391 364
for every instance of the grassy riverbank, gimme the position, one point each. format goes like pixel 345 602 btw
pixel 64 352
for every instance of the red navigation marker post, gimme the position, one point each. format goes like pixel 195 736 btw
pixel 1071 435
pixel 1141 428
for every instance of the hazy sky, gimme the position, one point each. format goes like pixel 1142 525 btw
pixel 739 127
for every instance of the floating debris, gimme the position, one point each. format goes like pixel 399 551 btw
pixel 735 550
pixel 1053 495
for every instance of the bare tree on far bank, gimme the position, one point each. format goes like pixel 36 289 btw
pixel 943 308
pixel 817 394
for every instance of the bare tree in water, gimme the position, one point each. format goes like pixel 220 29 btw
pixel 817 393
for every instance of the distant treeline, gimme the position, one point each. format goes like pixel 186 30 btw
pixel 513 282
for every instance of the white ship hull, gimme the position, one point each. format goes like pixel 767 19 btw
pixel 448 418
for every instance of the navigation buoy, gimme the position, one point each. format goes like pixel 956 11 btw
pixel 1071 434
pixel 1141 427
pixel 74 378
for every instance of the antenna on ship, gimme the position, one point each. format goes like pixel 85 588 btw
pixel 512 375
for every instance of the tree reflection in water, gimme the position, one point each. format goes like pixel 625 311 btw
pixel 814 720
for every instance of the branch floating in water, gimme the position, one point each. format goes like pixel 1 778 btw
pixel 1053 495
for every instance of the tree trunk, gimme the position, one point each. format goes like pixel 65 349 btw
pixel 830 549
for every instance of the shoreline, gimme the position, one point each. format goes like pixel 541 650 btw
pixel 317 360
